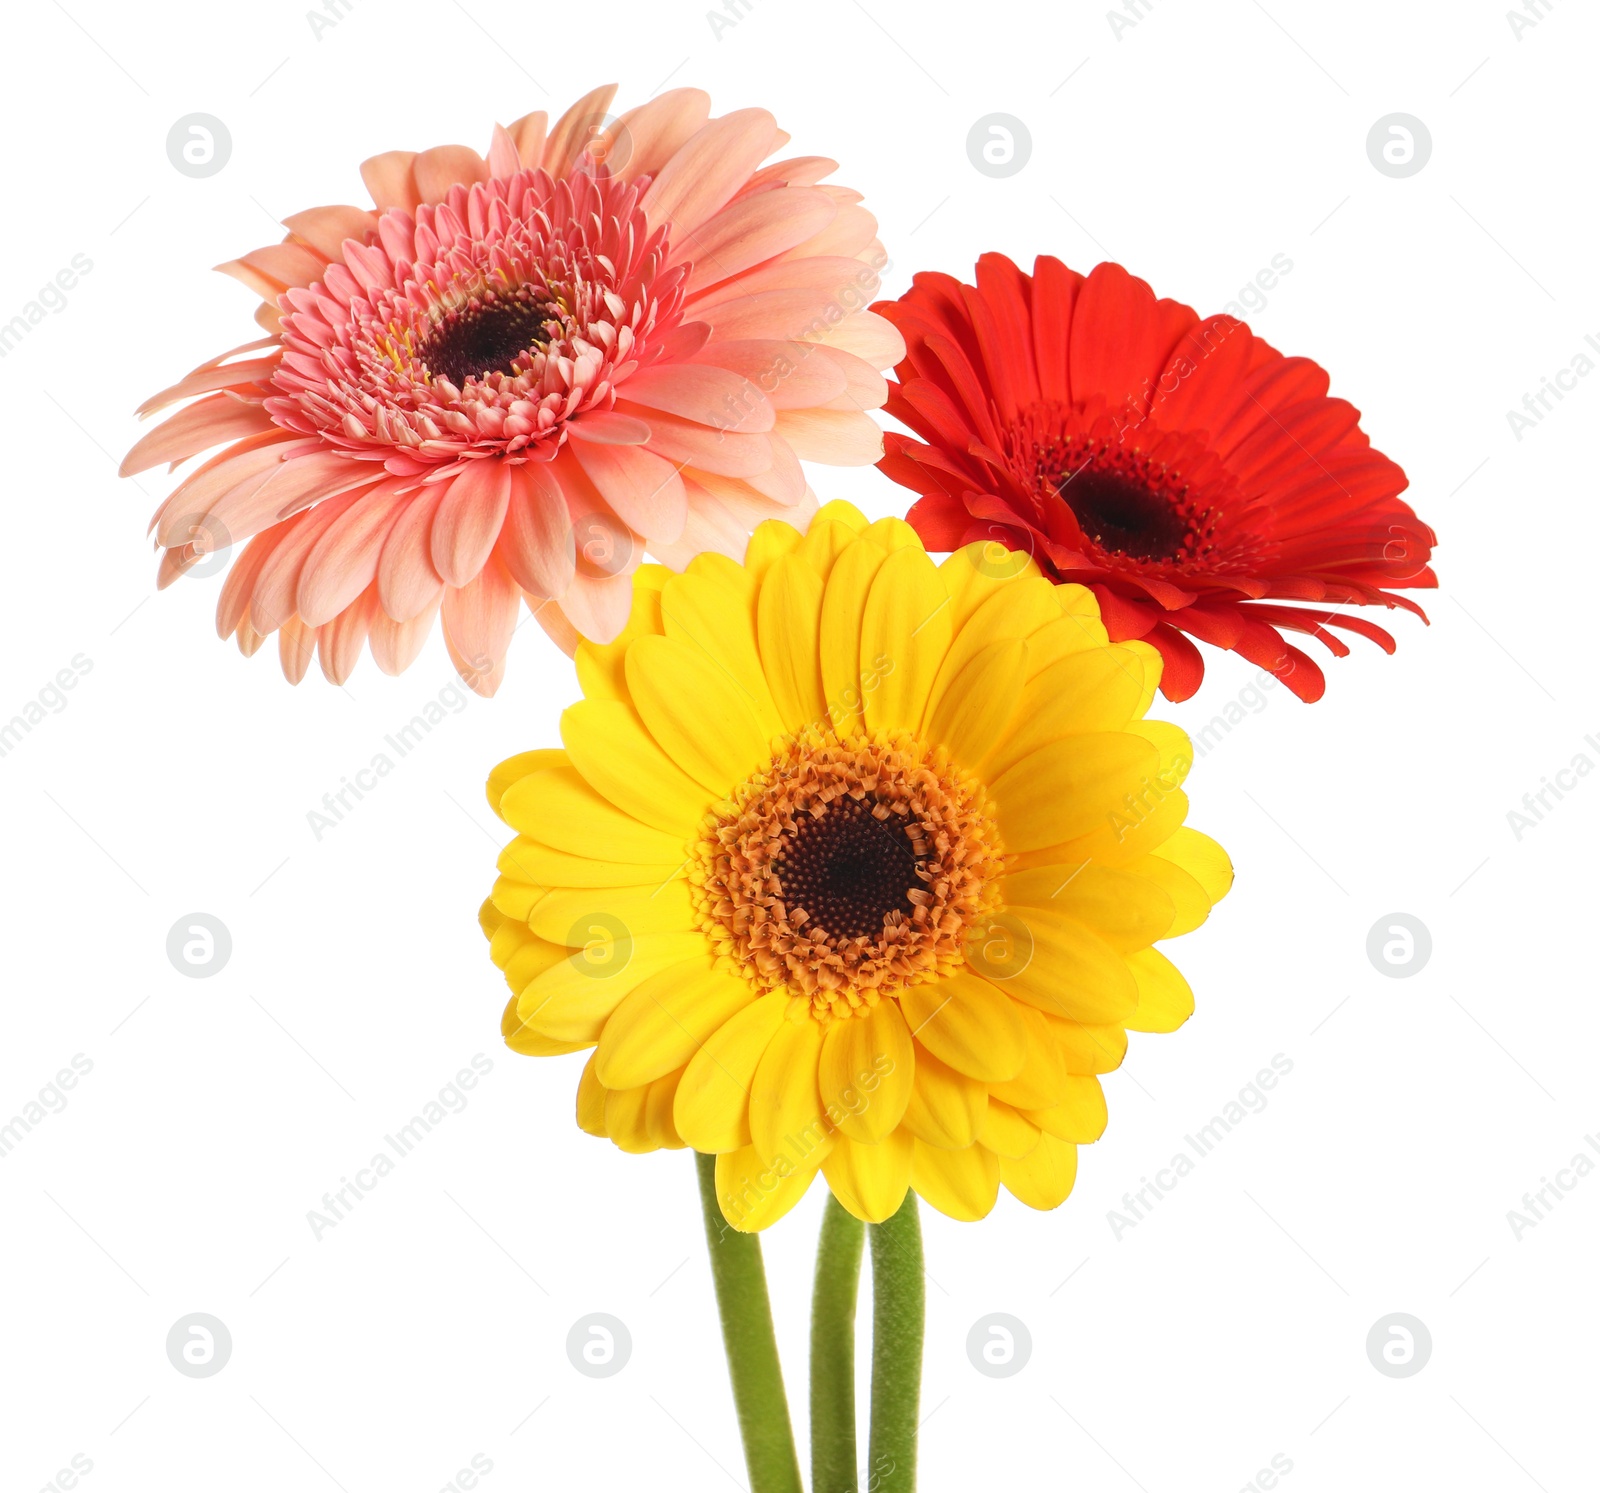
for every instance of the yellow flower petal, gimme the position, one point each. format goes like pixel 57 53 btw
pixel 905 634
pixel 825 541
pixel 844 603
pixel 1039 1083
pixel 520 1038
pixel 1085 1048
pixel 789 615
pixel 1125 909
pixel 559 808
pixel 786 1118
pixel 714 616
pixel 530 860
pixel 578 916
pixel 946 1107
pixel 1165 999
pixel 514 768
pixel 1101 689
pixel 1043 1178
pixel 1081 1115
pixel 1127 833
pixel 754 1193
pixel 847 515
pixel 521 954
pixel 1009 614
pixel 870 1181
pixel 865 1072
pixel 960 1184
pixel 1060 639
pixel 969 1024
pixel 1190 905
pixel 972 712
pixel 628 1120
pixel 698 714
pixel 1070 787
pixel 1071 972
pixel 490 917
pixel 892 534
pixel 660 1102
pixel 665 1019
pixel 591 1102
pixel 621 760
pixel 572 999
pixel 1005 1132
pixel 600 665
pixel 771 540
pixel 712 1110
pixel 1202 858
pixel 977 571
pixel 514 899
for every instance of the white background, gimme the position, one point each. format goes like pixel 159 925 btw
pixel 1227 1328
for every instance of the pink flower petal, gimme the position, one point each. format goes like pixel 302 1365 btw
pixel 703 176
pixel 642 489
pixel 606 428
pixel 395 645
pixel 344 562
pixel 407 581
pixel 469 519
pixel 209 422
pixel 479 619
pixel 713 396
pixel 750 231
pixel 536 543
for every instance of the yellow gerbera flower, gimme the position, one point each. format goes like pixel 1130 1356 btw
pixel 852 863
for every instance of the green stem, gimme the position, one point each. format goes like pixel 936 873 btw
pixel 752 1348
pixel 833 1351
pixel 897 1316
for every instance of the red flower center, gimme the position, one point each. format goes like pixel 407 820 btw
pixel 1128 504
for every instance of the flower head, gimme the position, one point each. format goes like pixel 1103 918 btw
pixel 852 863
pixel 515 373
pixel 1190 475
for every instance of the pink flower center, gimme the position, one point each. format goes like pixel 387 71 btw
pixel 479 326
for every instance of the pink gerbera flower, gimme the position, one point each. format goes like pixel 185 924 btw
pixel 514 374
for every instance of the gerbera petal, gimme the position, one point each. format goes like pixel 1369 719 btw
pixel 700 717
pixel 870 1181
pixel 664 1020
pixel 945 1107
pixel 713 1101
pixel 620 759
pixel 865 1072
pixel 961 1184
pixel 967 1023
pixel 1044 1177
pixel 754 1193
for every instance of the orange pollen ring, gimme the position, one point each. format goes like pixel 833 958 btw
pixel 891 844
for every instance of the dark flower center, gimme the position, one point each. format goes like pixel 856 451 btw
pixel 491 334
pixel 848 869
pixel 1123 516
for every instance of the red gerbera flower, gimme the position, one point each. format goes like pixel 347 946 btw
pixel 1187 472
